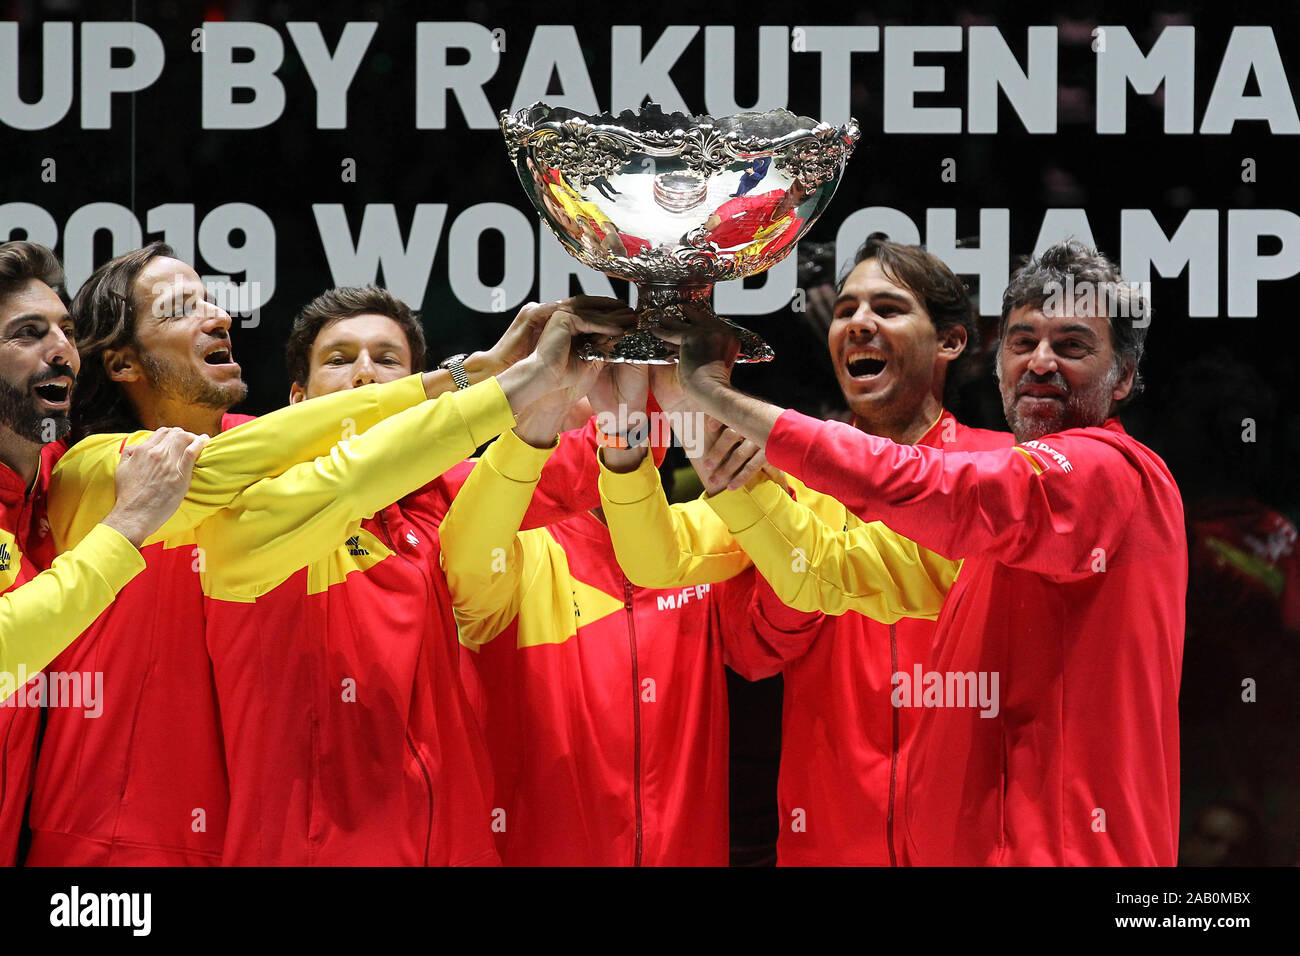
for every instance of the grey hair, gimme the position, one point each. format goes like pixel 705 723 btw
pixel 1073 265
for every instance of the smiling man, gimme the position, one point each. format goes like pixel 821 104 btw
pixel 900 321
pixel 145 783
pixel 44 605
pixel 563 643
pixel 378 757
pixel 1071 592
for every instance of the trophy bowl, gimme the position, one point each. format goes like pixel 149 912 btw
pixel 675 203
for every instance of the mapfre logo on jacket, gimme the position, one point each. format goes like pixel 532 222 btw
pixel 676 600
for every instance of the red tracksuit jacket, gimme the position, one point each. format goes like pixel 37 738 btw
pixel 1071 595
pixel 349 740
pixel 144 783
pixel 844 747
pixel 606 703
pixel 28 550
pixel 610 745
pixel 349 737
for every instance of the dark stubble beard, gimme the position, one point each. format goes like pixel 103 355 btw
pixel 183 383
pixel 1080 409
pixel 18 412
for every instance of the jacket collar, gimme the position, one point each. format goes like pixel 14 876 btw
pixel 934 434
pixel 14 491
pixel 12 488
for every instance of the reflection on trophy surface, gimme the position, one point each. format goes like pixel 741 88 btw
pixel 675 203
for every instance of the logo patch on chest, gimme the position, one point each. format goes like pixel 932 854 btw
pixel 677 600
pixel 358 553
pixel 11 560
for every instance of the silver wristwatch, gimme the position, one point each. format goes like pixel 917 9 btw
pixel 456 366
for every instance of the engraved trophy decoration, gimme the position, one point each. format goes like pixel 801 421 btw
pixel 675 203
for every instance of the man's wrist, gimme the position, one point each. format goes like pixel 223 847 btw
pixel 615 440
pixel 537 434
pixel 705 393
pixel 539 425
pixel 674 408
pixel 480 366
pixel 621 460
pixel 524 383
pixel 127 526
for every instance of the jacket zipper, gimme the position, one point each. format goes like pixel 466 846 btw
pixel 636 716
pixel 893 753
pixel 428 786
pixel 419 761
pixel 4 745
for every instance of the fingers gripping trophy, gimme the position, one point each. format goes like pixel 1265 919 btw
pixel 675 203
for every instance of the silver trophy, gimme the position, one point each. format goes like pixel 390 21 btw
pixel 676 203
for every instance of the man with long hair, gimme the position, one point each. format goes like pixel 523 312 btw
pixel 146 783
pixel 45 602
pixel 1049 704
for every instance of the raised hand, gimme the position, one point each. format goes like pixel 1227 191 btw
pixel 520 338
pixel 729 459
pixel 554 363
pixel 151 481
pixel 558 354
pixel 707 349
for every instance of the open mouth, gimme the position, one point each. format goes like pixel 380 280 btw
pixel 865 364
pixel 219 356
pixel 56 393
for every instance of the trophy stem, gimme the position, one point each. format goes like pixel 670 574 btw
pixel 654 301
